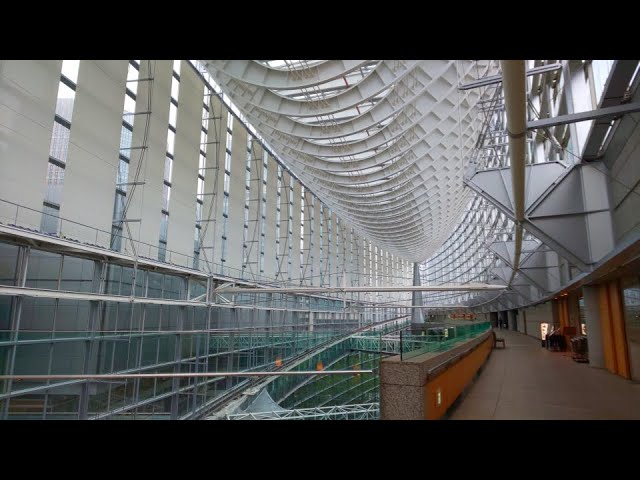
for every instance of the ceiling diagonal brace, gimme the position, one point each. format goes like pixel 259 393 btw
pixel 490 184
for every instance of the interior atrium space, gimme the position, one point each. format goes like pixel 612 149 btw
pixel 319 239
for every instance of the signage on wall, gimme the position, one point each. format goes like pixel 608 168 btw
pixel 544 328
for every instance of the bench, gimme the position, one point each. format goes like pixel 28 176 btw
pixel 499 340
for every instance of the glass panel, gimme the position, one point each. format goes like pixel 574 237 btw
pixel 70 69
pixel 129 107
pixel 166 196
pixel 127 281
pixel 64 104
pixel 55 180
pixel 196 239
pixel 140 282
pixel 112 283
pixel 37 314
pixel 601 69
pixel 132 74
pixel 164 222
pixel 29 360
pixel 62 403
pixel 171 138
pixel 72 316
pixel 123 175
pixel 198 219
pixel 59 142
pixel 225 205
pixel 116 238
pixel 227 181
pixel 175 87
pixel 5 323
pixel 173 112
pixel 631 296
pixel 162 252
pixel 8 262
pixel 50 218
pixel 77 274
pixel 168 164
pixel 172 286
pixel 126 138
pixel 43 270
pixel 200 188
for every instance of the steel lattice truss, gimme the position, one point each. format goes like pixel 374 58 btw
pixel 364 411
pixel 384 143
pixel 478 250
pixel 465 257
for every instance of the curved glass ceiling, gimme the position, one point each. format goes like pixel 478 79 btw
pixel 384 143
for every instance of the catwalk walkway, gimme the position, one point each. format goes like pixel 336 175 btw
pixel 527 382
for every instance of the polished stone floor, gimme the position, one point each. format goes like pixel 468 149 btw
pixel 524 381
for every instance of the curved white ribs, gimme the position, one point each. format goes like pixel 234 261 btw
pixel 384 143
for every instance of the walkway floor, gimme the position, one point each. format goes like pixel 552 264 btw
pixel 525 382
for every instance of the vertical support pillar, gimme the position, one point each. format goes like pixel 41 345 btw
pixel 311 321
pixel 268 313
pixel 95 310
pixel 614 341
pixel 16 314
pixel 231 357
pixel 416 300
pixel 594 325
pixel 573 306
pixel 175 382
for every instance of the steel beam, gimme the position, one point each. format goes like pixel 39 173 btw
pixel 614 91
pixel 584 116
pixel 498 78
pixel 304 290
pixel 115 376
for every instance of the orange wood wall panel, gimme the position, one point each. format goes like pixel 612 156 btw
pixel 452 381
pixel 618 329
pixel 607 333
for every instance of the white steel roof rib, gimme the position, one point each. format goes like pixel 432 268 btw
pixel 384 143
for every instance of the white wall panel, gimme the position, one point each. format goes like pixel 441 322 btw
pixel 235 222
pixel 28 92
pixel 27 107
pixel 94 145
pixel 295 250
pixel 284 226
pixel 536 315
pixel 146 203
pixel 184 179
pixel 214 182
pixel 626 170
pixel 359 260
pixel 306 234
pixel 270 231
pixel 252 242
